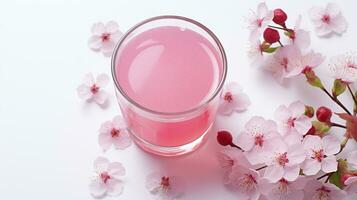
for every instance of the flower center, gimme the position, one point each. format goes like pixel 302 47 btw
pixel 323 193
pixel 165 181
pixel 291 122
pixel 248 182
pixel 114 132
pixel 292 35
pixel 259 22
pixel 282 159
pixel 104 176
pixel 259 139
pixel 319 155
pixel 228 97
pixel 283 186
pixel 105 37
pixel 94 89
pixel 326 19
pixel 284 62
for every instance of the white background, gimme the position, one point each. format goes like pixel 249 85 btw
pixel 49 137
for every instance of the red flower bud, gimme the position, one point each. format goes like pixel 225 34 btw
pixel 224 138
pixel 280 17
pixel 271 35
pixel 311 131
pixel 323 114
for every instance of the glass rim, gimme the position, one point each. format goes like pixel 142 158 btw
pixel 176 17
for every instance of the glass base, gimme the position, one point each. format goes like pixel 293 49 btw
pixel 171 151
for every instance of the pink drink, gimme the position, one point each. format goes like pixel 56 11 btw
pixel 168 71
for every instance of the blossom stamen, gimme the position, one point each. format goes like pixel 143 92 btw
pixel 105 176
pixel 282 159
pixel 259 140
pixel 228 97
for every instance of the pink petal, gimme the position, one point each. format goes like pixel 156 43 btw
pixel 313 59
pixel 107 48
pixel 105 141
pixel 84 92
pixel 302 124
pixel 331 145
pixel 102 80
pixel 323 30
pixel 296 154
pixel 123 141
pixel 100 97
pixel 339 24
pixel 312 142
pixel 311 166
pixel 119 123
pixel 88 79
pixel 116 170
pixel 243 102
pixel 350 180
pixel 297 108
pixel 293 138
pixel 95 43
pixel 226 108
pixel 116 36
pixel 106 127
pixel 255 156
pixel 111 27
pixel 329 164
pixel 98 29
pixel 352 158
pixel 315 14
pixel 332 10
pixel 245 141
pixel 282 113
pixel 291 173
pixel 115 187
pixel 152 182
pixel 101 164
pixel 302 38
pixel 97 188
pixel 234 88
pixel 274 173
pixel 262 9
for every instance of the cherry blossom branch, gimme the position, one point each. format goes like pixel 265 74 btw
pixel 323 176
pixel 338 125
pixel 335 99
pixel 260 168
pixel 281 28
pixel 352 95
pixel 343 145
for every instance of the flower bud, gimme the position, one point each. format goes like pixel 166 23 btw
pixel 280 17
pixel 309 111
pixel 312 131
pixel 323 114
pixel 224 138
pixel 271 35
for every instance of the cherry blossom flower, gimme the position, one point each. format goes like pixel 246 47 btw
pixel 280 64
pixel 114 132
pixel 163 186
pixel 299 36
pixel 246 182
pixel 107 179
pixel 233 99
pixel 253 140
pixel 283 189
pixel 304 62
pixel 259 20
pixel 316 190
pixel 292 120
pixel 351 184
pixel 320 154
pixel 352 159
pixel 91 90
pixel 328 20
pixel 228 159
pixel 104 37
pixel 283 161
pixel 255 52
pixel 344 67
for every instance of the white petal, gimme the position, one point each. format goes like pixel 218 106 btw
pixel 119 123
pixel 282 113
pixel 107 48
pixel 123 141
pixel 331 145
pixel 291 173
pixel 95 43
pixel 234 88
pixel 302 38
pixel 296 154
pixel 106 127
pixel 116 170
pixel 101 164
pixel 98 29
pixel 351 180
pixel 329 164
pixel 102 80
pixel 226 108
pixel 339 24
pixel 152 181
pixel 297 108
pixel 242 102
pixel 311 166
pixel 255 156
pixel 352 158
pixel 245 141
pixel 100 97
pixel 302 124
pixel 115 187
pixel 312 142
pixel 323 30
pixel 332 9
pixel 274 173
pixel 316 13
pixel 88 79
pixel 262 9
pixel 105 141
pixel 97 188
pixel 111 27
pixel 116 36
pixel 84 92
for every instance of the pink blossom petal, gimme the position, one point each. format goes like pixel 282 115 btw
pixel 119 123
pixel 115 187
pixel 97 188
pixel 234 88
pixel 352 158
pixel 245 141
pixel 106 127
pixel 293 138
pixel 262 9
pixel 107 48
pixel 282 113
pixel 100 97
pixel 105 141
pixel 255 156
pixel 311 166
pixel 331 145
pixel 243 102
pixel 153 181
pixel 111 27
pixel 350 180
pixel 312 142
pixel 95 43
pixel 274 173
pixel 98 29
pixel 88 79
pixel 123 141
pixel 116 36
pixel 226 108
pixel 296 154
pixel 302 124
pixel 302 39
pixel 102 80
pixel 332 9
pixel 83 92
pixel 329 164
pixel 291 173
pixel 339 25
pixel 100 164
pixel 116 170
pixel 297 108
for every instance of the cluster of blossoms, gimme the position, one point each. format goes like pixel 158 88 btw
pixel 295 156
pixel 107 179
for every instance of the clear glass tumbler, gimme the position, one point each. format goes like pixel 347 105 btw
pixel 168 73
